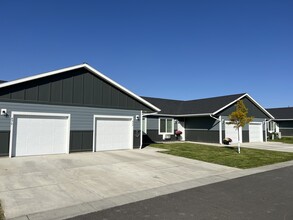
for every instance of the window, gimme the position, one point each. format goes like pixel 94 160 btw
pixel 166 126
pixel 271 126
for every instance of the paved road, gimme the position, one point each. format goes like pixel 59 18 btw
pixel 266 196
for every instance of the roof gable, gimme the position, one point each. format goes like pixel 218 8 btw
pixel 77 85
pixel 253 109
pixel 207 106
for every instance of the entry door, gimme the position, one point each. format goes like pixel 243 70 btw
pixel 231 132
pixel 255 132
pixel 113 133
pixel 39 135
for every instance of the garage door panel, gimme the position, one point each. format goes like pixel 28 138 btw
pixel 232 132
pixel 39 135
pixel 255 132
pixel 113 134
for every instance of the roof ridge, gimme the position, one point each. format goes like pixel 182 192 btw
pixel 289 107
pixel 163 99
pixel 215 97
pixel 239 94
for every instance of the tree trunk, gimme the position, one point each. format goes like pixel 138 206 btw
pixel 238 139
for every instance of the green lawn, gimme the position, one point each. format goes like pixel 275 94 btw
pixel 1 213
pixel 227 156
pixel 287 140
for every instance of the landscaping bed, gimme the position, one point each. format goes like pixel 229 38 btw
pixel 228 156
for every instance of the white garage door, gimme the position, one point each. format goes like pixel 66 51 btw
pixel 231 132
pixel 113 133
pixel 39 135
pixel 255 132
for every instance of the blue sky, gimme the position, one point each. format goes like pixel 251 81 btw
pixel 177 49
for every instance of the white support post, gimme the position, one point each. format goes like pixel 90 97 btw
pixel 141 132
pixel 266 131
pixel 220 130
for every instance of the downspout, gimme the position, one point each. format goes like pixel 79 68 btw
pixel 220 130
pixel 141 132
pixel 220 127
pixel 266 134
pixel 266 129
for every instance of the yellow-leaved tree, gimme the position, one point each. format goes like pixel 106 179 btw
pixel 239 118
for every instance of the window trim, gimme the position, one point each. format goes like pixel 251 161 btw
pixel 273 127
pixel 159 130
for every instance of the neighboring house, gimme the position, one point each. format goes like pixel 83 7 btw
pixel 69 110
pixel 283 121
pixel 204 120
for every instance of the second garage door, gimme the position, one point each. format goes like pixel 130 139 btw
pixel 39 134
pixel 113 133
pixel 255 132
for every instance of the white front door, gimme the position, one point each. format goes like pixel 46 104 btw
pixel 232 132
pixel 40 135
pixel 255 132
pixel 113 133
pixel 181 127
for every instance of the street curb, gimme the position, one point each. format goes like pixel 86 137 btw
pixel 98 205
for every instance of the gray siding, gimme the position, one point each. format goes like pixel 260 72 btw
pixel 286 128
pixel 81 117
pixel 286 132
pixel 152 123
pixel 153 136
pixel 209 136
pixel 81 124
pixel 202 129
pixel 4 143
pixel 74 88
pixel 253 110
pixel 245 136
pixel 81 141
pixel 201 123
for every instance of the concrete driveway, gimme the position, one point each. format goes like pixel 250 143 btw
pixel 60 186
pixel 275 146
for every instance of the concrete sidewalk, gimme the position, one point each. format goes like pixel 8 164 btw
pixel 91 182
pixel 275 146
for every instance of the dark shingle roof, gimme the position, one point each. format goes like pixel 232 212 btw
pixel 281 113
pixel 167 106
pixel 2 81
pixel 199 106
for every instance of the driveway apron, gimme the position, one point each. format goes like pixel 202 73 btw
pixel 38 184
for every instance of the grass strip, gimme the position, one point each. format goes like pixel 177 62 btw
pixel 286 140
pixel 228 156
